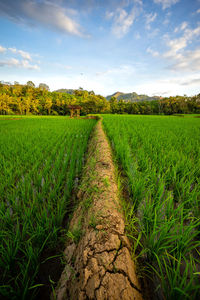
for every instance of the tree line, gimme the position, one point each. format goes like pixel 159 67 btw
pixel 28 99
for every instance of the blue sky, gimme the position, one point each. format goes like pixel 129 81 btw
pixel 146 46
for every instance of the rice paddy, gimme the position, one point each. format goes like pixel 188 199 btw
pixel 160 157
pixel 40 158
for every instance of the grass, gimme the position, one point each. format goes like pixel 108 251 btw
pixel 76 233
pixel 40 157
pixel 160 157
pixel 94 221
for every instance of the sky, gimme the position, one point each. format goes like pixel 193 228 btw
pixel 145 46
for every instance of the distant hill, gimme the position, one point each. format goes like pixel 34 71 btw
pixel 132 97
pixel 68 91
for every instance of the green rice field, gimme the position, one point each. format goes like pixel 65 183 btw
pixel 40 159
pixel 160 160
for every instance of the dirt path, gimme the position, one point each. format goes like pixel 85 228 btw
pixel 98 260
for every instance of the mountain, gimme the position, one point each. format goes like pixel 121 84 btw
pixel 68 91
pixel 132 97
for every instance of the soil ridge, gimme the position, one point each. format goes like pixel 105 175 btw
pixel 98 263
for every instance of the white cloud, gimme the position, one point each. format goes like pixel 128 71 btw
pixel 140 2
pixel 150 18
pixel 153 33
pixel 198 11
pixel 108 84
pixel 56 15
pixel 109 15
pixel 53 16
pixel 152 52
pixel 178 44
pixel 190 33
pixel 13 62
pixel 26 65
pixel 22 53
pixel 2 49
pixel 170 86
pixel 123 18
pixel 123 21
pixel 182 27
pixel 194 81
pixel 167 18
pixel 167 86
pixel 188 62
pixel 180 58
pixel 166 3
pixel 175 46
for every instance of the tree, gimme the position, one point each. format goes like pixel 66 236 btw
pixel 48 104
pixel 43 86
pixel 5 100
pixel 113 105
pixel 27 103
pixel 30 83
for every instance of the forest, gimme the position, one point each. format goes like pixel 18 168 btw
pixel 28 99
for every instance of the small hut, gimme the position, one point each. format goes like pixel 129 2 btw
pixel 74 110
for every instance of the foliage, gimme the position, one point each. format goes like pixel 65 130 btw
pixel 167 106
pixel 27 99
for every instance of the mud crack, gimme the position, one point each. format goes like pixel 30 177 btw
pixel 99 265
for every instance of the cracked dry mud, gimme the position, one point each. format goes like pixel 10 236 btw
pixel 99 266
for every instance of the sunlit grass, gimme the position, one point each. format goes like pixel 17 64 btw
pixel 39 160
pixel 161 158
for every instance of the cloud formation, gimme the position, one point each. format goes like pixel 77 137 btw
pixel 168 86
pixel 122 22
pixel 183 59
pixel 166 3
pixel 22 53
pixel 189 61
pixel 167 18
pixel 22 62
pixel 182 27
pixel 152 52
pixel 150 18
pixel 2 49
pixel 191 82
pixel 180 57
pixel 123 18
pixel 46 13
pixel 13 62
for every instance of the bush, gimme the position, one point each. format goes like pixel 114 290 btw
pixel 54 113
